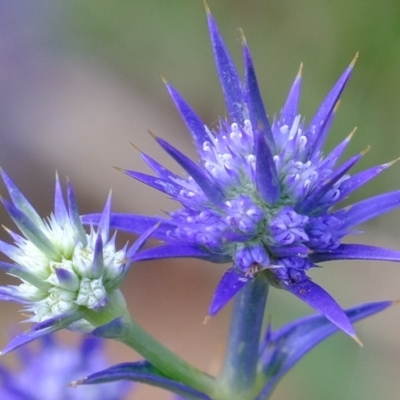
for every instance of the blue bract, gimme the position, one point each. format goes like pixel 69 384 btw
pixel 262 196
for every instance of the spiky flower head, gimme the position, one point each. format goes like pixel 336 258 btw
pixel 262 196
pixel 70 278
pixel 45 373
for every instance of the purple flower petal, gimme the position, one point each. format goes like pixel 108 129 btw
pixel 267 180
pixel 367 209
pixel 31 231
pixel 144 372
pixel 160 170
pixel 179 250
pixel 19 200
pixel 133 223
pixel 311 202
pixel 193 122
pixel 104 223
pixel 228 286
pixel 9 294
pixel 140 241
pixel 212 191
pixel 228 75
pixel 357 180
pixel 60 209
pixel 170 188
pixel 290 109
pixel 97 267
pixel 321 301
pixel 258 115
pixel 314 132
pixel 330 160
pixel 356 252
pixel 74 213
pixel 41 329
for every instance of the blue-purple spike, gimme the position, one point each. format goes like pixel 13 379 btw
pixel 228 75
pixel 193 122
pixel 133 223
pixel 25 274
pixel 367 209
pixel 166 186
pixel 212 191
pixel 8 293
pixel 310 202
pixel 141 371
pixel 357 180
pixel 60 209
pixel 356 252
pixel 267 179
pixel 104 223
pixel 160 170
pixel 9 250
pixel 321 301
pixel 178 250
pixel 31 231
pixel 140 241
pixel 331 159
pixel 257 112
pixel 316 132
pixel 19 200
pixel 230 284
pixel 291 108
pixel 74 213
pixel 41 329
pixel 98 262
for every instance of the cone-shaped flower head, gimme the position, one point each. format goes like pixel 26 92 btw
pixel 70 278
pixel 262 195
pixel 44 374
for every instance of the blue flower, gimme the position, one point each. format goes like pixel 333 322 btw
pixel 263 195
pixel 44 374
pixel 70 278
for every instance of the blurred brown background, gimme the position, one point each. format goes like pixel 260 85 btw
pixel 79 79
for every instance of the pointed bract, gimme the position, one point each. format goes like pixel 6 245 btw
pixel 230 81
pixel 266 175
pixel 213 192
pixel 282 349
pixel 321 301
pixel 191 119
pixel 144 372
pixel 315 131
pixel 228 286
pixel 291 107
pixel 257 112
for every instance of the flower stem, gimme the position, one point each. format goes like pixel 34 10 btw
pixel 239 371
pixel 167 362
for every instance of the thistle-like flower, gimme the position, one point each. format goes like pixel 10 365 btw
pixel 44 374
pixel 262 196
pixel 70 278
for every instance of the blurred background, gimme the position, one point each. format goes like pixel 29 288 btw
pixel 79 79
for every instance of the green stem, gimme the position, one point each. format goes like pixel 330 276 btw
pixel 239 371
pixel 174 367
